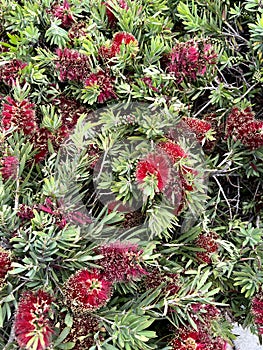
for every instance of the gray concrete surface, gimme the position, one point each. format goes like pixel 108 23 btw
pixel 246 340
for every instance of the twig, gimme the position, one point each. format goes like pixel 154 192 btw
pixel 223 193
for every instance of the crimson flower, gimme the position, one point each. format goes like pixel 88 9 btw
pixel 121 261
pixel 103 82
pixel 72 65
pixel 78 30
pixel 20 114
pixel 122 38
pixel 189 59
pixel 199 127
pixel 63 13
pixel 9 72
pixel 87 290
pixel 5 264
pixel 25 212
pixel 173 150
pixel 257 311
pixel 208 242
pixel 242 125
pixel 32 321
pixel 156 165
pixel 9 167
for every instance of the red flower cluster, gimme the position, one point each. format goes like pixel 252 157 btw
pixel 72 65
pixel 154 278
pixel 9 72
pixel 120 39
pixel 9 167
pixel 63 13
pixel 243 126
pixel 199 127
pixel 83 330
pixel 32 322
pixel 103 82
pixel 208 242
pixel 121 261
pixel 87 290
pixel 174 151
pixel 20 115
pixel 189 59
pixel 25 212
pixel 111 17
pixel 187 338
pixel 157 166
pixel 5 264
pixel 78 30
pixel 257 311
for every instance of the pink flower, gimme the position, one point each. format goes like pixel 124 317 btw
pixel 63 13
pixel 189 59
pixel 72 65
pixel 121 261
pixel 103 83
pixel 5 264
pixel 87 290
pixel 257 311
pixel 32 321
pixel 9 72
pixel 156 166
pixel 122 38
pixel 19 114
pixel 208 242
pixel 199 127
pixel 9 167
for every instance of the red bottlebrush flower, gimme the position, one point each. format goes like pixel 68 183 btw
pixel 87 290
pixel 70 110
pixel 25 212
pixel 156 165
pixel 155 278
pixel 189 59
pixel 103 82
pixel 9 167
pixel 257 311
pixel 83 330
pixel 5 264
pixel 40 142
pixel 72 65
pixel 63 13
pixel 111 17
pixel 174 151
pixel 19 114
pixel 123 38
pixel 199 127
pixel 32 322
pixel 78 30
pixel 243 126
pixel 9 72
pixel 121 261
pixel 208 242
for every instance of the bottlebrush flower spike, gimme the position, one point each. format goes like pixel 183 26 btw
pixel 208 242
pixel 189 59
pixel 121 261
pixel 104 83
pixel 242 125
pixel 5 264
pixel 87 290
pixel 20 114
pixel 63 13
pixel 257 311
pixel 32 321
pixel 9 72
pixel 173 150
pixel 9 167
pixel 72 65
pixel 123 38
pixel 156 165
pixel 25 212
pixel 199 127
pixel 83 330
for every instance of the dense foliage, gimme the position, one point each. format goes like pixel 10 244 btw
pixel 130 173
